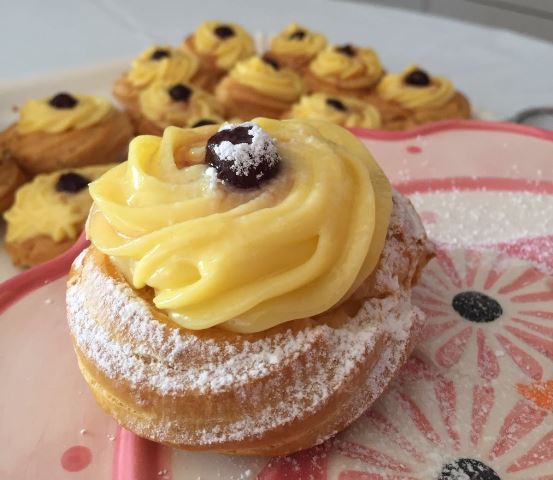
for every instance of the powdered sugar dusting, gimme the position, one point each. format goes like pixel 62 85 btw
pixel 465 218
pixel 245 157
pixel 211 176
pixel 149 355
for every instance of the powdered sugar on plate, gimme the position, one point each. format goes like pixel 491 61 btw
pixel 469 218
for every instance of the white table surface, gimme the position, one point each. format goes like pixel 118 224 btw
pixel 502 72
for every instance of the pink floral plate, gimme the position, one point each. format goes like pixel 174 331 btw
pixel 475 401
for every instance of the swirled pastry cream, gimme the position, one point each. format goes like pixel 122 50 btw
pixel 55 205
pixel 244 226
pixel 345 111
pixel 414 97
pixel 218 46
pixel 344 68
pixel 62 112
pixel 226 43
pixel 259 87
pixel 268 78
pixel 179 104
pixel 296 46
pixel 48 214
pixel 415 88
pixel 66 131
pixel 162 63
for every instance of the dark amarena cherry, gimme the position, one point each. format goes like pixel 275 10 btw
pixel 224 31
pixel 418 78
pixel 71 182
pixel 336 104
pixel 63 100
pixel 240 159
pixel 297 35
pixel 180 92
pixel 270 61
pixel 160 53
pixel 347 49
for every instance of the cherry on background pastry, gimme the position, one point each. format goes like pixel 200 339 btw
pixel 182 104
pixel 218 46
pixel 347 69
pixel 248 319
pixel 415 97
pixel 48 214
pixel 158 63
pixel 67 130
pixel 347 112
pixel 296 46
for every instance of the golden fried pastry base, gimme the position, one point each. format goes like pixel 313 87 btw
pixel 144 126
pixel 42 152
pixel 208 74
pixel 36 250
pixel 268 393
pixel 241 101
pixel 396 117
pixel 11 178
pixel 127 95
pixel 335 87
pixel 298 63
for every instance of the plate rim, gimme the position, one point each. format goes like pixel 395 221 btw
pixel 448 125
pixel 17 287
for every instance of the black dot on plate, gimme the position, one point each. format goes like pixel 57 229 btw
pixel 71 182
pixel 417 78
pixel 347 49
pixel 273 63
pixel 261 166
pixel 63 100
pixel 476 307
pixel 297 35
pixel 336 104
pixel 160 53
pixel 467 469
pixel 180 93
pixel 204 121
pixel 224 31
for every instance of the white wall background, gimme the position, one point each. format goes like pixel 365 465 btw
pixel 501 71
pixel 531 17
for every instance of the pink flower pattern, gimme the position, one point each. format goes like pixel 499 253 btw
pixel 456 411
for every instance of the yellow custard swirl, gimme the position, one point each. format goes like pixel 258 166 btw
pixel 39 209
pixel 360 70
pixel 393 87
pixel 308 44
pixel 228 50
pixel 244 260
pixel 178 66
pixel 355 113
pixel 40 116
pixel 157 105
pixel 283 84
